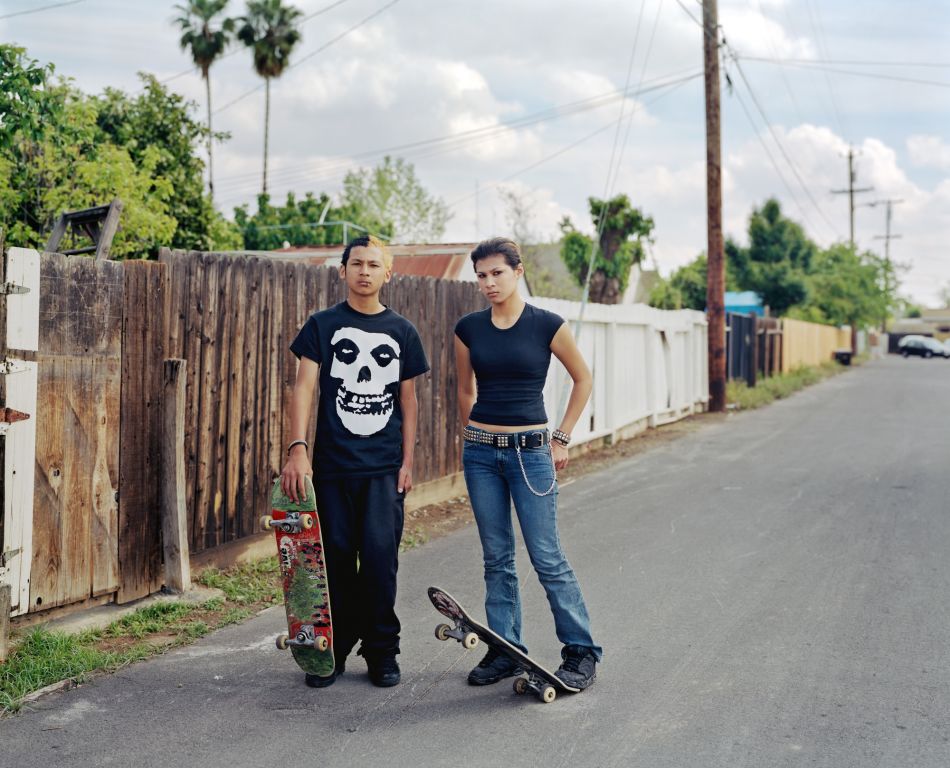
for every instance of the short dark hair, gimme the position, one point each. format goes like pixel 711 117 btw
pixel 498 246
pixel 367 241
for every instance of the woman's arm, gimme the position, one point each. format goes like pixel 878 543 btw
pixel 466 380
pixel 298 463
pixel 565 349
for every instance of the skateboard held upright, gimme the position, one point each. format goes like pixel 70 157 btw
pixel 304 580
pixel 540 681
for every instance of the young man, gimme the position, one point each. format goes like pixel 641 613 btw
pixel 366 357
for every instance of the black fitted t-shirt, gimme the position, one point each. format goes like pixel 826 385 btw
pixel 511 365
pixel 363 359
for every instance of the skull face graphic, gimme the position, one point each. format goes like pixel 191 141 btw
pixel 368 366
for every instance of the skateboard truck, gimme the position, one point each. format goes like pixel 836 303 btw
pixel 294 522
pixel 537 685
pixel 468 639
pixel 305 638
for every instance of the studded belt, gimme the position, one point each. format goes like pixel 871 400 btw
pixel 533 439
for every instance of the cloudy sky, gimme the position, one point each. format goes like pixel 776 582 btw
pixel 530 92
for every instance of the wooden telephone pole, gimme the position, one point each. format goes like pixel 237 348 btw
pixel 851 192
pixel 715 259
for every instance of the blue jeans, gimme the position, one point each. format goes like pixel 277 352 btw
pixel 494 480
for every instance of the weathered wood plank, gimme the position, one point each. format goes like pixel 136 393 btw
pixel 5 603
pixel 205 530
pixel 143 345
pixel 173 511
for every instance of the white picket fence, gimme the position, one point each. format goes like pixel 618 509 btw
pixel 649 365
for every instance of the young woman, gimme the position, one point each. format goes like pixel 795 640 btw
pixel 503 354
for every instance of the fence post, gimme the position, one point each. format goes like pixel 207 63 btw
pixel 174 510
pixel 4 622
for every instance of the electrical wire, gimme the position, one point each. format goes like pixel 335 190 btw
pixel 41 8
pixel 233 51
pixel 457 140
pixel 310 55
pixel 778 143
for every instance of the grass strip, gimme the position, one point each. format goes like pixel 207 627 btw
pixel 768 390
pixel 41 657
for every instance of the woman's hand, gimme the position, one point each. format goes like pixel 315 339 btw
pixel 559 454
pixel 292 475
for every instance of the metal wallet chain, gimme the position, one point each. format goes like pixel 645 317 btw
pixel 524 474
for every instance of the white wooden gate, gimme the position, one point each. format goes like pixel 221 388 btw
pixel 21 291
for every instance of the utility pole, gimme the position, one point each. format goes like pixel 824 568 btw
pixel 887 237
pixel 851 191
pixel 715 259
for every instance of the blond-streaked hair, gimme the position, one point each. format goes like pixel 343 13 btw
pixel 368 241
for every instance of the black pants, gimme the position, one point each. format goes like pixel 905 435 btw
pixel 362 521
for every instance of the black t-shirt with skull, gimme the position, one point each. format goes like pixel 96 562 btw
pixel 362 359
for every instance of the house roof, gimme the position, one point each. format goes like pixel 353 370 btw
pixel 448 261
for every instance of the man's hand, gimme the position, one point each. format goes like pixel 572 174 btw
pixel 559 454
pixel 404 485
pixel 292 476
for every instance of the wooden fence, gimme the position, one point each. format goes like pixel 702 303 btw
pixel 106 330
pixel 232 319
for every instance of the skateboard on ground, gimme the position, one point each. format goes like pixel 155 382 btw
pixel 304 580
pixel 541 682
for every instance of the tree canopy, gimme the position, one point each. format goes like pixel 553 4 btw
pixel 65 150
pixel 622 231
pixel 794 277
pixel 392 193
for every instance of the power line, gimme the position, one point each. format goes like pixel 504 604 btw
pixel 310 55
pixel 672 87
pixel 822 46
pixel 772 160
pixel 872 75
pixel 473 135
pixel 848 62
pixel 778 143
pixel 41 8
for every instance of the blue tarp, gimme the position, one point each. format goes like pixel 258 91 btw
pixel 744 302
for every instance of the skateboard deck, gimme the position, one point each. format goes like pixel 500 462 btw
pixel 540 681
pixel 304 580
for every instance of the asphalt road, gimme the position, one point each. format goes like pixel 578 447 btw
pixel 770 590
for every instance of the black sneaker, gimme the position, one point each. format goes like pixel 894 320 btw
pixel 492 668
pixel 316 681
pixel 383 670
pixel 578 668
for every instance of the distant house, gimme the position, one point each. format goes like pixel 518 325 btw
pixel 932 322
pixel 448 261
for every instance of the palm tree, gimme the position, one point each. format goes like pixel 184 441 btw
pixel 206 45
pixel 269 30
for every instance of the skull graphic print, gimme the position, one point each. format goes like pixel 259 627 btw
pixel 367 366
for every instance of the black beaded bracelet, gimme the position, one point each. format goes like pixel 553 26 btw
pixel 295 443
pixel 562 437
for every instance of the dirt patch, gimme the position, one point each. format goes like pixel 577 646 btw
pixel 435 520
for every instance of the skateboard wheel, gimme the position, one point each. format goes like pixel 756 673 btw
pixel 282 642
pixel 548 694
pixel 321 643
pixel 306 522
pixel 470 640
pixel 442 631
pixel 520 685
pixel 266 520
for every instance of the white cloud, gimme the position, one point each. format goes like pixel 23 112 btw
pixel 929 152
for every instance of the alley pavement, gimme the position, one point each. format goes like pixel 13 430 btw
pixel 770 590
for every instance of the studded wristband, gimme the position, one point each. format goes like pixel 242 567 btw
pixel 562 437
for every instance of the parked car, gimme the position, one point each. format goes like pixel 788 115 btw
pixel 924 346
